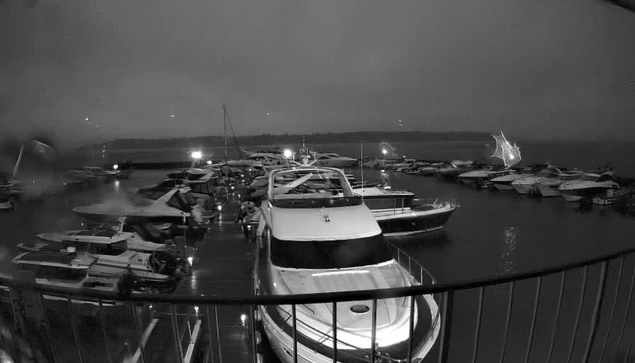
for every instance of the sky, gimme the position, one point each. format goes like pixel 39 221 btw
pixel 96 70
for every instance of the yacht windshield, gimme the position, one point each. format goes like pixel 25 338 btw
pixel 329 254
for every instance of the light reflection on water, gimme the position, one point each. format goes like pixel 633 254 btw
pixel 509 246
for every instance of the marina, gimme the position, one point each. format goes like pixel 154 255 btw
pixel 490 234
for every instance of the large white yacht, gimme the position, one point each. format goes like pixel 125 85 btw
pixel 316 236
pixel 480 178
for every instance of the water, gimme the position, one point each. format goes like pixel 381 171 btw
pixel 491 234
pixel 582 155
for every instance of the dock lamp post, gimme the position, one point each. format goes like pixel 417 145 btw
pixel 384 151
pixel 287 155
pixel 196 156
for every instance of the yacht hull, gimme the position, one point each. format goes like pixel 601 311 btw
pixel 572 197
pixel 281 340
pixel 548 191
pixel 503 186
pixel 406 221
pixel 523 189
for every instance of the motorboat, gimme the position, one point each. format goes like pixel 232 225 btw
pixel 399 213
pixel 405 164
pixel 588 186
pixel 612 196
pixel 548 178
pixel 481 178
pixel 505 182
pixel 454 169
pixel 334 160
pixel 314 238
pixel 100 173
pixel 207 189
pixel 176 206
pixel 133 240
pixel 155 269
pixel 67 269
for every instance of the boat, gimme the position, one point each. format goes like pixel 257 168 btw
pixel 160 269
pixel 313 238
pixel 334 160
pixel 405 164
pixel 399 213
pixel 528 182
pixel 176 206
pixel 205 186
pixel 505 182
pixel 67 269
pixel 481 178
pixel 611 196
pixel 588 186
pixel 454 169
pixel 133 240
pixel 100 173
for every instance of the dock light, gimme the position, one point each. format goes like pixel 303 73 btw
pixel 196 309
pixel 287 153
pixel 209 162
pixel 384 151
pixel 115 167
pixel 220 208
pixel 243 318
pixel 196 155
pixel 190 260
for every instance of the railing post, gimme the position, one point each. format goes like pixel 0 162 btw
pixel 627 310
pixel 210 341
pixel 102 322
pixel 555 319
pixel 446 326
pixel 596 311
pixel 615 297
pixel 533 318
pixel 334 328
pixel 295 335
pixel 481 293
pixel 220 355
pixel 75 332
pixel 177 337
pixel 411 327
pixel 373 332
pixel 47 327
pixel 510 299
pixel 139 333
pixel 254 344
pixel 577 318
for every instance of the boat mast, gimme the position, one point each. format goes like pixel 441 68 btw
pixel 17 163
pixel 225 129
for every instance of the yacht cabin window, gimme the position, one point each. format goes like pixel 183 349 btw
pixel 329 254
pixel 55 273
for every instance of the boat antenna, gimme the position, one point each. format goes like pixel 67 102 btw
pixel 228 120
pixel 361 165
pixel 225 129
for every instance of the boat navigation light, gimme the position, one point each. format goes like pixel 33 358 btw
pixel 243 318
pixel 115 166
pixel 384 151
pixel 190 260
pixel 196 309
pixel 196 155
pixel 220 208
pixel 209 162
pixel 287 153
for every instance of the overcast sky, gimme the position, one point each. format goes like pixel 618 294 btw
pixel 156 68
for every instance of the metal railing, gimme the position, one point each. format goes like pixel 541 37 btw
pixel 578 312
